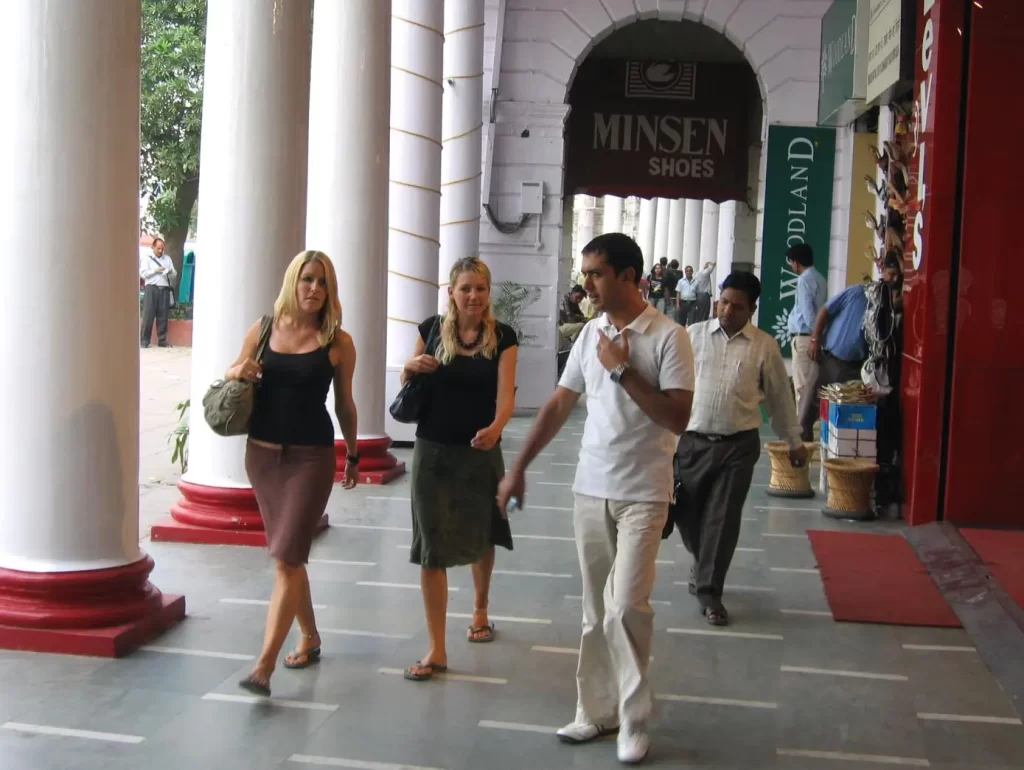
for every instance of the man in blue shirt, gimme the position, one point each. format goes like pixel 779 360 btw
pixel 811 293
pixel 840 323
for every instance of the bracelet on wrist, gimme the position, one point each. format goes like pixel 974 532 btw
pixel 352 459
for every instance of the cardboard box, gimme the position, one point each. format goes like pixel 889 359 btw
pixel 852 416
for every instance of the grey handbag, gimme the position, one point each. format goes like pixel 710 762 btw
pixel 227 405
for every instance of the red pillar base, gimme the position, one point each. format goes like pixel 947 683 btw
pixel 376 464
pixel 106 613
pixel 215 516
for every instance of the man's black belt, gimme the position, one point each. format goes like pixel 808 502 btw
pixel 716 437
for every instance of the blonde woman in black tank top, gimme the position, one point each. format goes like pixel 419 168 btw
pixel 289 456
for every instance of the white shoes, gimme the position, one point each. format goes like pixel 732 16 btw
pixel 633 742
pixel 580 733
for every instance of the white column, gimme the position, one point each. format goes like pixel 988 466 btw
pixel 709 242
pixel 584 207
pixel 645 238
pixel 348 193
pixel 252 199
pixel 612 214
pixel 69 466
pixel 726 239
pixel 676 218
pixel 415 194
pixel 461 165
pixel 661 229
pixel 694 221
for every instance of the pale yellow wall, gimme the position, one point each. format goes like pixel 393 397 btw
pixel 861 200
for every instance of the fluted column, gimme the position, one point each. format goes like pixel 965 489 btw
pixel 349 143
pixel 694 221
pixel 661 229
pixel 415 193
pixel 726 238
pixel 709 242
pixel 461 167
pixel 676 219
pixel 612 214
pixel 252 204
pixel 645 238
pixel 72 576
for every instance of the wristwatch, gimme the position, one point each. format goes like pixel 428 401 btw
pixel 352 459
pixel 618 371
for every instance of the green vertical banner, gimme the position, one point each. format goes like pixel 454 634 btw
pixel 797 209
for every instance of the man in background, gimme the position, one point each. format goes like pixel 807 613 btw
pixel 570 317
pixel 811 294
pixel 158 273
pixel 686 289
pixel 700 310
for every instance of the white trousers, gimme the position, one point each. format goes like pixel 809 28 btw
pixel 803 368
pixel 617 543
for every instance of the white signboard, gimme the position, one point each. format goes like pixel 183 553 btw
pixel 883 66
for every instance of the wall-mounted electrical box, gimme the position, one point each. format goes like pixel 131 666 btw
pixel 531 198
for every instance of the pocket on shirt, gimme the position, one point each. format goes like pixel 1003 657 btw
pixel 747 378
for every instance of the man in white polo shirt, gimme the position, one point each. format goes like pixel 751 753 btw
pixel 636 367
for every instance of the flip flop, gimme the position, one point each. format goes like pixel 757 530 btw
pixel 311 656
pixel 435 668
pixel 250 684
pixel 487 631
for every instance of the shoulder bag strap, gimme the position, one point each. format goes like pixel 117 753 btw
pixel 267 325
pixel 431 344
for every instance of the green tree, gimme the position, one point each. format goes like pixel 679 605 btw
pixel 173 51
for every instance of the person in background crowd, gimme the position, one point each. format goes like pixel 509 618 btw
pixel 687 295
pixel 671 282
pixel 157 271
pixel 570 318
pixel 656 288
pixel 700 310
pixel 811 294
pixel 289 457
pixel 457 460
pixel 737 367
pixel 636 368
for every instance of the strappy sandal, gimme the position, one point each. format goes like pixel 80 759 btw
pixel 303 658
pixel 423 676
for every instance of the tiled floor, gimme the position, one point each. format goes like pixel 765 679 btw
pixel 783 687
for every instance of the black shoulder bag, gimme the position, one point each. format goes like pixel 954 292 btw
pixel 411 401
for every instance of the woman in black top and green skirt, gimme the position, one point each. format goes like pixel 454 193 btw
pixel 457 461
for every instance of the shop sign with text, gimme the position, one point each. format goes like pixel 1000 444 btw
pixel 841 81
pixel 660 129
pixel 797 209
pixel 890 45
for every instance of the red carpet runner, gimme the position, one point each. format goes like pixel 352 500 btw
pixel 1003 554
pixel 877 579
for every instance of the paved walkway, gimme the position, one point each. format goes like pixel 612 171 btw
pixel 783 687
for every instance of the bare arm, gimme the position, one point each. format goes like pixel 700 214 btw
pixel 344 404
pixel 506 388
pixel 407 374
pixel 668 408
pixel 248 353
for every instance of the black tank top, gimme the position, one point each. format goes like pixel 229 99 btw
pixel 291 399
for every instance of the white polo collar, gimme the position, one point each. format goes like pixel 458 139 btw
pixel 638 325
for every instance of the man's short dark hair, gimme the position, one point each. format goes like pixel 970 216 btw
pixel 663 261
pixel 744 281
pixel 674 264
pixel 801 253
pixel 620 251
pixel 577 289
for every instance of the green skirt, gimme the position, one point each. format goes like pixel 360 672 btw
pixel 455 515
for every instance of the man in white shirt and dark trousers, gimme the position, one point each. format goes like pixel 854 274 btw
pixel 700 309
pixel 636 368
pixel 158 272
pixel 737 366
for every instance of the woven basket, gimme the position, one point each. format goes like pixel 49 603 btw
pixel 787 481
pixel 851 484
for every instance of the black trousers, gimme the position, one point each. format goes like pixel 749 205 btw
pixel 156 305
pixel 700 309
pixel 714 478
pixel 826 370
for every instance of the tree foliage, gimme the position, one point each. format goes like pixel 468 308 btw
pixel 173 51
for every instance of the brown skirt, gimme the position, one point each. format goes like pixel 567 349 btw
pixel 292 486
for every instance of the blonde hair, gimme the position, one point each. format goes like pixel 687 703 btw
pixel 448 344
pixel 287 300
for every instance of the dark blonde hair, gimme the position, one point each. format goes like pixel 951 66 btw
pixel 448 344
pixel 287 300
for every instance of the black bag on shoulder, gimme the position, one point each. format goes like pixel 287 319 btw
pixel 411 401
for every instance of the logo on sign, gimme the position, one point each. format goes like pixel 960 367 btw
pixel 661 80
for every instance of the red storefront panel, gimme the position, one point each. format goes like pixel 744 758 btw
pixel 986 429
pixel 933 196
